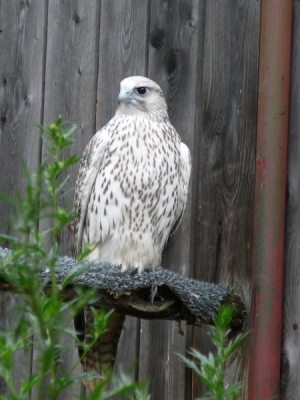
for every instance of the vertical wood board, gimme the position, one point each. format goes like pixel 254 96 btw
pixel 70 91
pixel 71 75
pixel 22 36
pixel 21 70
pixel 227 155
pixel 291 312
pixel 176 30
pixel 122 51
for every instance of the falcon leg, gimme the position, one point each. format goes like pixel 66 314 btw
pixel 102 355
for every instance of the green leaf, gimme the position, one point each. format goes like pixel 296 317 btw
pixel 27 385
pixel 211 369
pixel 7 199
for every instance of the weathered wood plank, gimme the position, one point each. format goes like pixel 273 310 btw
pixel 20 95
pixel 176 30
pixel 70 91
pixel 122 52
pixel 291 312
pixel 71 76
pixel 21 71
pixel 227 154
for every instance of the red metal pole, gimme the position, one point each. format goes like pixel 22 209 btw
pixel 269 213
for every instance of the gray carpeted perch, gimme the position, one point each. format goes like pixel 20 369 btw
pixel 176 298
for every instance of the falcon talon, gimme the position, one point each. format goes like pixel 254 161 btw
pixel 133 271
pixel 153 293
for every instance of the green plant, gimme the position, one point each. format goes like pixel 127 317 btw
pixel 211 369
pixel 42 318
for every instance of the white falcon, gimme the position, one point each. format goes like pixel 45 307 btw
pixel 131 190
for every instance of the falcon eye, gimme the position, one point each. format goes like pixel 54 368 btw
pixel 141 90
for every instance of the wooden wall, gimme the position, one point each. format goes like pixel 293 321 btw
pixel 68 57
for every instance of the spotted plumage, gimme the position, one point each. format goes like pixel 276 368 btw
pixel 133 181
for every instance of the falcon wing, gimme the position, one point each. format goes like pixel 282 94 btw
pixel 185 166
pixel 103 352
pixel 89 167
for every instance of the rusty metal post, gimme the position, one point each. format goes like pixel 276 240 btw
pixel 270 191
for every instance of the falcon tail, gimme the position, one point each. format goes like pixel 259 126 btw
pixel 102 355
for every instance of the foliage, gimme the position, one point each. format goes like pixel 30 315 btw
pixel 42 318
pixel 211 369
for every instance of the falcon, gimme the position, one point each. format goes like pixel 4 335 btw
pixel 130 194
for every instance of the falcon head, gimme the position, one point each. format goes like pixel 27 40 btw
pixel 139 95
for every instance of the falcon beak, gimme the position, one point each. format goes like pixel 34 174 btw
pixel 124 95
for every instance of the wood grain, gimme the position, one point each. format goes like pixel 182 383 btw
pixel 71 78
pixel 174 62
pixel 291 321
pixel 122 50
pixel 22 36
pixel 227 155
pixel 20 95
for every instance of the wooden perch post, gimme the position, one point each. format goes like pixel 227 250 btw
pixel 159 294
